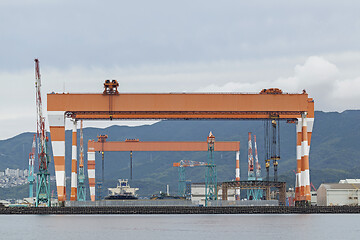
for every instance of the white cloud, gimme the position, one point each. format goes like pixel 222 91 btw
pixel 333 88
pixel 322 79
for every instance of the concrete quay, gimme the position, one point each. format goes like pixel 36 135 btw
pixel 180 210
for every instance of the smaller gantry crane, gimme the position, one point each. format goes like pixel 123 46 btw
pixel 182 177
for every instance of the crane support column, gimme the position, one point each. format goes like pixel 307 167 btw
pixel 81 186
pixel 57 129
pixel 91 169
pixel 131 165
pixel 182 181
pixel 310 124
pixel 237 175
pixel 305 175
pixel 304 128
pixel 31 178
pixel 73 196
pixel 298 160
pixel 210 174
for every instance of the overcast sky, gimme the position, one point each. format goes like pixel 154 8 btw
pixel 177 46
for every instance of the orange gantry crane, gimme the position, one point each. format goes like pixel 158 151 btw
pixel 112 104
pixel 158 146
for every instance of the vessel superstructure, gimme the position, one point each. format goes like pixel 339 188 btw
pixel 123 191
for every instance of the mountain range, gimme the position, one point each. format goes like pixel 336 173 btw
pixel 334 153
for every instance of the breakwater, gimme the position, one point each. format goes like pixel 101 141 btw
pixel 181 210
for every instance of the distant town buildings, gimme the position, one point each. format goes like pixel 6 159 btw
pixel 13 177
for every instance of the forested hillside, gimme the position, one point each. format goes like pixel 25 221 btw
pixel 334 153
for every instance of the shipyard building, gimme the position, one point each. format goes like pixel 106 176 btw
pixel 346 192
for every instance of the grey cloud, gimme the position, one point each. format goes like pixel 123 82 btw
pixel 168 46
pixel 110 33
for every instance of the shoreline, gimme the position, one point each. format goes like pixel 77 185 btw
pixel 179 210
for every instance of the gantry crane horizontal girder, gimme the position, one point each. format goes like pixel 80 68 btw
pixel 180 106
pixel 160 146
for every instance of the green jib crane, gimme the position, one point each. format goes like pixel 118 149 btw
pixel 81 196
pixel 43 176
pixel 182 176
pixel 31 178
pixel 210 174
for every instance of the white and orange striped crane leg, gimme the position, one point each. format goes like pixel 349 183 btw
pixel 310 124
pixel 73 196
pixel 305 174
pixel 298 159
pixel 57 131
pixel 237 175
pixel 91 169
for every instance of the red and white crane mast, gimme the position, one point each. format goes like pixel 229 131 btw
pixel 43 176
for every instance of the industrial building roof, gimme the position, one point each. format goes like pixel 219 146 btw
pixel 341 186
pixel 350 181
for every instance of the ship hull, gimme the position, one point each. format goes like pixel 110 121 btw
pixel 120 197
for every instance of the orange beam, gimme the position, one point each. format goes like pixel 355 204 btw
pixel 161 146
pixel 180 105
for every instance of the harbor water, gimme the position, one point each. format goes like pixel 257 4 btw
pixel 309 226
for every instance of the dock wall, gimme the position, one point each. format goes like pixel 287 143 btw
pixel 181 210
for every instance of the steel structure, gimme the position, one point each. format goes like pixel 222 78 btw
pixel 131 145
pixel 268 104
pixel 258 193
pixel 237 175
pixel 81 195
pixel 74 178
pixel 31 177
pixel 43 176
pixel 253 171
pixel 99 184
pixel 272 145
pixel 131 165
pixel 182 177
pixel 251 174
pixel 265 185
pixel 257 164
pixel 210 174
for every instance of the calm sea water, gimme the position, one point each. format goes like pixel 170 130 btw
pixel 184 227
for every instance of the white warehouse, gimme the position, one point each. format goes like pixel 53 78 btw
pixel 198 193
pixel 346 192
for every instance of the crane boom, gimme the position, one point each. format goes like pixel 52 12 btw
pixel 188 163
pixel 40 119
